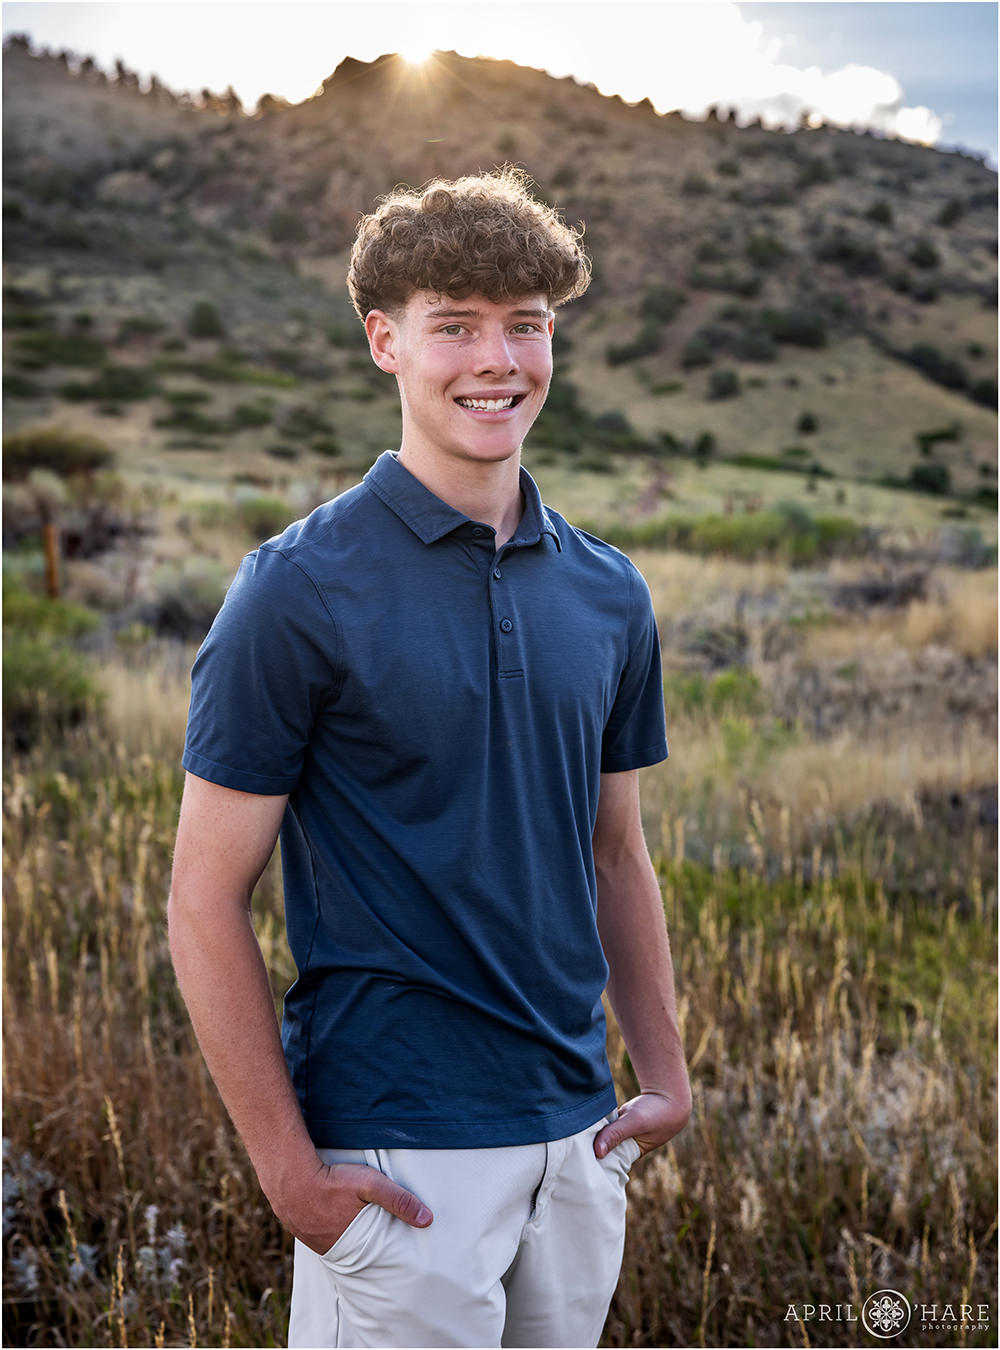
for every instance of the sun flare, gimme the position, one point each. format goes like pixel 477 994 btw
pixel 415 53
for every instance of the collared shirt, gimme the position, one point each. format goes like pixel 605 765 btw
pixel 439 712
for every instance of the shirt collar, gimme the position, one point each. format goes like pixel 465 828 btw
pixel 431 519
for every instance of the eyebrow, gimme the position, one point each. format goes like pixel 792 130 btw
pixel 477 313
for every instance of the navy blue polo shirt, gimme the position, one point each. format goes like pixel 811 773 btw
pixel 440 713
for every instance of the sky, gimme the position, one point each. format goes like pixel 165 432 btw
pixel 923 71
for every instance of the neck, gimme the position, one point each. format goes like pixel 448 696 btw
pixel 487 492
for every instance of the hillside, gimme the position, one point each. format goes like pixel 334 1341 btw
pixel 806 311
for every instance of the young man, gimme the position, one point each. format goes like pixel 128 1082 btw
pixel 440 693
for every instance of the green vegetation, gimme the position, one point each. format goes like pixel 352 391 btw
pixel 204 321
pixel 58 449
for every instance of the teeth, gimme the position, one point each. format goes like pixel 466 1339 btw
pixel 486 404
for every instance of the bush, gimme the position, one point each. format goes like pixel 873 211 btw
pixel 880 212
pixel 125 384
pixel 764 250
pixel 661 303
pixel 262 516
pixel 932 478
pixel 250 415
pixel 63 452
pixel 747 284
pixel 694 185
pixel 933 363
pixel 729 168
pixel 813 170
pixel 724 383
pixel 40 348
pixel 47 686
pixel 286 227
pixel 799 327
pixel 856 256
pixel 951 213
pixel 697 352
pixel 648 340
pixel 808 422
pixel 924 255
pixel 301 422
pixel 756 344
pixel 204 321
pixel 985 392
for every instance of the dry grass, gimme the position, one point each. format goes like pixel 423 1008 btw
pixel 840 1024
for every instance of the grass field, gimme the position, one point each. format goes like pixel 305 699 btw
pixel 829 880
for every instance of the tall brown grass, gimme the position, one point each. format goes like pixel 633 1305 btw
pixel 839 1012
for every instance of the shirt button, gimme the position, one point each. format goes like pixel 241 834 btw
pixel 478 532
pixel 497 574
pixel 505 625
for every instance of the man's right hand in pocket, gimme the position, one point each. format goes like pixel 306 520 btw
pixel 318 1207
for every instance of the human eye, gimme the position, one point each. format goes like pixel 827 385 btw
pixel 526 329
pixel 453 329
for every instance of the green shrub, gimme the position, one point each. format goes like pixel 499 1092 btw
pixel 756 344
pixel 204 321
pixel 38 349
pixel 20 386
pixel 694 185
pixel 63 452
pixel 951 213
pixel 708 251
pixel 251 415
pixel 186 398
pixel 47 686
pixel 187 596
pixel 808 422
pixel 697 352
pixel 187 418
pixel 813 170
pixel 126 384
pixel 747 284
pixel 933 363
pixel 286 227
pixel 724 383
pixel 666 387
pixel 856 256
pixel 800 327
pixel 648 340
pixel 880 212
pixel 764 250
pixel 262 516
pixel 301 422
pixel 932 478
pixel 985 392
pixel 661 303
pixel 926 440
pixel 139 325
pixel 729 168
pixel 328 446
pixel 33 613
pixel 924 255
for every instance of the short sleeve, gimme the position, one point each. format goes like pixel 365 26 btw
pixel 635 732
pixel 261 678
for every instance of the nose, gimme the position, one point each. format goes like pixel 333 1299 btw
pixel 495 353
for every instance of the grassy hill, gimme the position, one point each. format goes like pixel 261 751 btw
pixel 818 301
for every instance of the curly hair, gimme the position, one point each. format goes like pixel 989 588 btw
pixel 481 234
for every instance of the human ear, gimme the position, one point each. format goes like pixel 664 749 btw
pixel 382 340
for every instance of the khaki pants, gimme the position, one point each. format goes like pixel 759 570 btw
pixel 525 1250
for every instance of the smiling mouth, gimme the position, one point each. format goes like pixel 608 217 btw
pixel 490 404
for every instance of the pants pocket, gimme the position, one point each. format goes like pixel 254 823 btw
pixel 354 1248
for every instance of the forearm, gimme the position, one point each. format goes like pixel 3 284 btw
pixel 225 985
pixel 641 981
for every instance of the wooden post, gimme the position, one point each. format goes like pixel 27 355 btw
pixel 50 541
